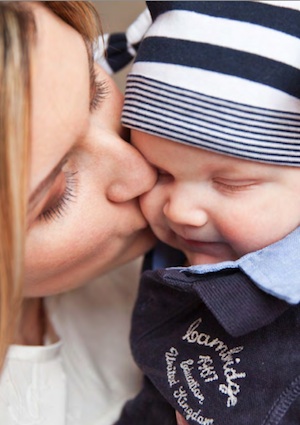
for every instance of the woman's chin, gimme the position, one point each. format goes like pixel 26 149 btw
pixel 144 241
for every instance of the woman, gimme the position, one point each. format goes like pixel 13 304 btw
pixel 69 212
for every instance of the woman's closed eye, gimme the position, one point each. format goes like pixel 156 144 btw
pixel 63 193
pixel 98 90
pixel 98 95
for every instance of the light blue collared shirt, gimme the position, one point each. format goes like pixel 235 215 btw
pixel 274 269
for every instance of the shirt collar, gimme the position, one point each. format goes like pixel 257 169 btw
pixel 275 269
pixel 238 305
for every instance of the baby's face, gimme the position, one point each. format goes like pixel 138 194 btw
pixel 215 207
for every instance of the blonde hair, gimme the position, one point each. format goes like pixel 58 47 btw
pixel 17 32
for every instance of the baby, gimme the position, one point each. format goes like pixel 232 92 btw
pixel 213 102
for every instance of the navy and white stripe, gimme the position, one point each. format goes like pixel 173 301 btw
pixel 212 123
pixel 114 51
pixel 223 76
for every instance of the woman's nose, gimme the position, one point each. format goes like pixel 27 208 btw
pixel 133 175
pixel 185 210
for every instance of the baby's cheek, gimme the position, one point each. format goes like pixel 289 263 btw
pixel 151 206
pixel 248 238
pixel 241 235
pixel 145 205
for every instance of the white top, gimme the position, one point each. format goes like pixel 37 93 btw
pixel 86 377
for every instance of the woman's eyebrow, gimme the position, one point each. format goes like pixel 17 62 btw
pixel 44 185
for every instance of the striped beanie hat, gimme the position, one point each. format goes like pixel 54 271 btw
pixel 222 76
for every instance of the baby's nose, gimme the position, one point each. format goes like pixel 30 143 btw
pixel 183 211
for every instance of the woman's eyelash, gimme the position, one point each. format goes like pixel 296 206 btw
pixel 99 89
pixel 59 208
pixel 100 92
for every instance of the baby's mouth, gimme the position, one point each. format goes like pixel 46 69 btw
pixel 204 251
